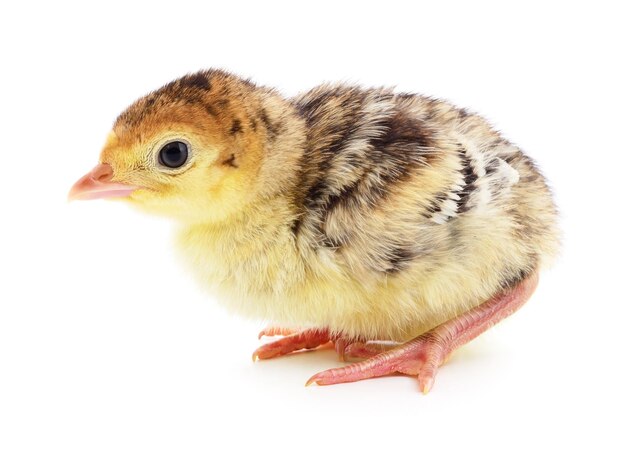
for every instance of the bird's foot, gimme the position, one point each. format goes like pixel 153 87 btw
pixel 291 342
pixel 424 355
pixel 421 356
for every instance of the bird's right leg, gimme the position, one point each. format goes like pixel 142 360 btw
pixel 291 342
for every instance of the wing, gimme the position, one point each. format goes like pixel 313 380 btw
pixel 385 176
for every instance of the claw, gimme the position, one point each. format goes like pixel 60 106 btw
pixel 426 385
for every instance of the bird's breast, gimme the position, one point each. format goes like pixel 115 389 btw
pixel 282 286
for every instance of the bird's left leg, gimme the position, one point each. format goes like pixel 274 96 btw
pixel 423 355
pixel 307 339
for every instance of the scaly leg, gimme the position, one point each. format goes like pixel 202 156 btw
pixel 307 339
pixel 423 355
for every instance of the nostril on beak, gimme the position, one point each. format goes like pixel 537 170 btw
pixel 102 173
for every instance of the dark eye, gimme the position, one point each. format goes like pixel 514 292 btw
pixel 174 154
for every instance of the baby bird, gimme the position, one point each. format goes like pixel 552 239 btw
pixel 395 226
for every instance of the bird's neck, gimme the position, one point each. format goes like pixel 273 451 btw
pixel 259 223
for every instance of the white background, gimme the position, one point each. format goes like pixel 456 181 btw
pixel 107 345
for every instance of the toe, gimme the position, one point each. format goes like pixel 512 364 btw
pixel 294 342
pixel 271 331
pixel 267 351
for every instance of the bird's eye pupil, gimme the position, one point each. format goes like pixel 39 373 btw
pixel 174 154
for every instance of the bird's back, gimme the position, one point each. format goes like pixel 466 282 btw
pixel 389 179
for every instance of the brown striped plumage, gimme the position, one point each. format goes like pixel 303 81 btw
pixel 373 214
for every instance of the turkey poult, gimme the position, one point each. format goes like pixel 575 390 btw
pixel 396 226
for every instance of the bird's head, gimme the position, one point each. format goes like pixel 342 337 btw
pixel 193 150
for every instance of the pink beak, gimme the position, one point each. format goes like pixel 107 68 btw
pixel 97 185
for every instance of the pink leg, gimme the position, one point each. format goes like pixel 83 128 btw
pixel 307 339
pixel 423 355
